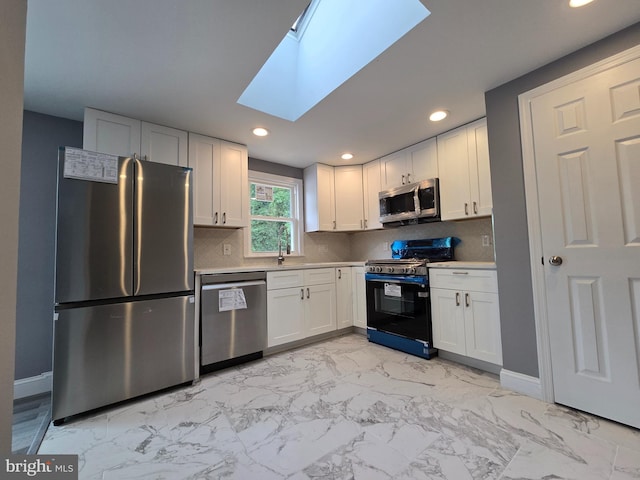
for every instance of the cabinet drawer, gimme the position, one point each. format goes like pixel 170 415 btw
pixel 462 279
pixel 318 276
pixel 285 279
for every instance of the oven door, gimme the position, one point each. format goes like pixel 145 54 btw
pixel 399 305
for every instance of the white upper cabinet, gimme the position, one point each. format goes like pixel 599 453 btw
pixel 109 133
pixel 333 198
pixel 348 198
pixel 164 144
pixel 118 135
pixel 221 184
pixel 423 160
pixel 319 198
pixel 371 187
pixel 465 177
pixel 409 165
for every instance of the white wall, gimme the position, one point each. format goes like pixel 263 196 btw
pixel 13 22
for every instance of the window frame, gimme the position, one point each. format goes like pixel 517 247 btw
pixel 297 219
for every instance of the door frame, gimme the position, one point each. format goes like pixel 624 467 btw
pixel 533 211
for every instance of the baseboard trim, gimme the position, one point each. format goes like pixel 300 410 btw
pixel 521 383
pixel 27 387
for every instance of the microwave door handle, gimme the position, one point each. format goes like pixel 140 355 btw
pixel 416 200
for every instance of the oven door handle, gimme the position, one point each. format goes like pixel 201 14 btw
pixel 372 277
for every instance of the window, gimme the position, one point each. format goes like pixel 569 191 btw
pixel 275 210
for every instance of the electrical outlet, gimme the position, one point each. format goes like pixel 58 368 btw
pixel 226 249
pixel 486 241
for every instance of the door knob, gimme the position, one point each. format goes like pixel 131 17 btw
pixel 555 260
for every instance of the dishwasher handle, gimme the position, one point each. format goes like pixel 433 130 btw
pixel 220 286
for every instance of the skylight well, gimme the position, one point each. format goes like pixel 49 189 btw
pixel 329 43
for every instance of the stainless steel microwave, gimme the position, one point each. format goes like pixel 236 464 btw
pixel 409 204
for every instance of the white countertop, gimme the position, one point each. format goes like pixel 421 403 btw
pixel 469 265
pixel 273 267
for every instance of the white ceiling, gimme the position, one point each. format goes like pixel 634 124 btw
pixel 185 63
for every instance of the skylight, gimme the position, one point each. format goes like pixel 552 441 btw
pixel 334 39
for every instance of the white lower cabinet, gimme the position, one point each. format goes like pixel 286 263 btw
pixel 359 297
pixel 300 303
pixel 344 297
pixel 465 313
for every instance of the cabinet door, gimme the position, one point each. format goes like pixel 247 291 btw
pixel 320 308
pixel 285 316
pixel 453 167
pixel 344 297
pixel 479 169
pixel 448 320
pixel 393 170
pixel 423 160
pixel 204 159
pixel 319 198
pixel 482 326
pixel 348 198
pixel 359 298
pixel 162 144
pixel 233 184
pixel 109 133
pixel 371 187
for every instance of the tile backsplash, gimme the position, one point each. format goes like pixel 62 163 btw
pixel 338 247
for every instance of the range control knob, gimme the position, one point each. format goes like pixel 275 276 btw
pixel 378 269
pixel 412 270
pixel 390 269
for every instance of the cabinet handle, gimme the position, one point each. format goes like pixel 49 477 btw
pixel 146 158
pixel 339 274
pixel 135 156
pixel 457 299
pixel 408 178
pixel 365 223
pixel 302 294
pixel 307 292
pixel 466 208
pixel 224 218
pixel 215 219
pixel 466 299
pixel 334 224
pixel 475 208
pixel 460 273
pixel 403 179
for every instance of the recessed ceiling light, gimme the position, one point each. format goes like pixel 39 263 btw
pixel 579 3
pixel 260 132
pixel 347 156
pixel 438 115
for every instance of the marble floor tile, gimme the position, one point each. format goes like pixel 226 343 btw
pixel 346 409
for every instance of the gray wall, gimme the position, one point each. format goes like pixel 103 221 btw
pixel 13 23
pixel 507 183
pixel 41 137
pixel 275 168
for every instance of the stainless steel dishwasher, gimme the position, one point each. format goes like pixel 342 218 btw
pixel 233 319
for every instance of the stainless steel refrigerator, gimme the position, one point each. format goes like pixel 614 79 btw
pixel 124 304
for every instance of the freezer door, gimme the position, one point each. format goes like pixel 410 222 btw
pixel 94 237
pixel 163 232
pixel 108 353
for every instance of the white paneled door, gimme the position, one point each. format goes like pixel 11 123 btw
pixel 586 138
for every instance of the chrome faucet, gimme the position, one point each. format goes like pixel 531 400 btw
pixel 288 247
